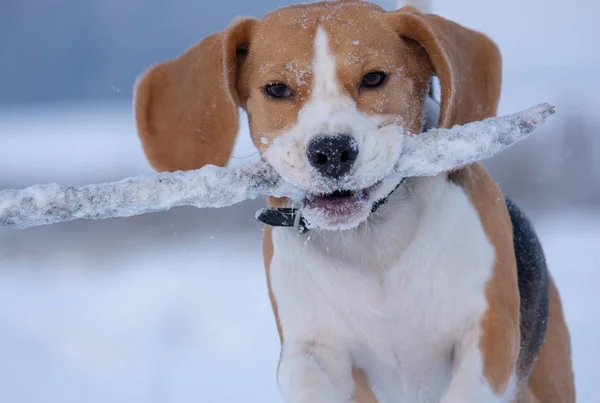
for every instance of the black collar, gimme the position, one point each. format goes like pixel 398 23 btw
pixel 289 216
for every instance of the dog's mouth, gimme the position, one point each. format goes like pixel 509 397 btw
pixel 340 209
pixel 340 199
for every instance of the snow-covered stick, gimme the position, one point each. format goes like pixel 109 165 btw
pixel 426 154
pixel 210 186
pixel 441 150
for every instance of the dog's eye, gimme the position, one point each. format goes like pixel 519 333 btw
pixel 278 90
pixel 373 80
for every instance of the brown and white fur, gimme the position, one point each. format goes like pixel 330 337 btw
pixel 418 302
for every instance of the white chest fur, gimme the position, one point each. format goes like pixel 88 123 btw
pixel 392 297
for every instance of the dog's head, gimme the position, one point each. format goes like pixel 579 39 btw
pixel 326 87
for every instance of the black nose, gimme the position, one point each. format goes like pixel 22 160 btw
pixel 332 156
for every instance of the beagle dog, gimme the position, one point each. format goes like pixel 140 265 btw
pixel 424 289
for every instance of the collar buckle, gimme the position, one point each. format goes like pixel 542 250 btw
pixel 282 217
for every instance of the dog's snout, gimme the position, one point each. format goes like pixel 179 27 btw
pixel 332 156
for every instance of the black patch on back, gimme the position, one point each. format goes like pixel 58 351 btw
pixel 533 288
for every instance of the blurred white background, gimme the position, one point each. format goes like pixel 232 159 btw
pixel 173 307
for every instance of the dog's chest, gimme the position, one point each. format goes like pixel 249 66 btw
pixel 400 330
pixel 398 322
pixel 404 336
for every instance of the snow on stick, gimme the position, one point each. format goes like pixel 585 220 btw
pixel 426 154
pixel 440 150
pixel 210 186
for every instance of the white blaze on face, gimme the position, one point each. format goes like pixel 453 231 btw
pixel 326 95
pixel 330 112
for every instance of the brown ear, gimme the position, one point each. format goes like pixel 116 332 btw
pixel 186 109
pixel 467 63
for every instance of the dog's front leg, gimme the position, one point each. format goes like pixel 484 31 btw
pixel 314 373
pixel 480 374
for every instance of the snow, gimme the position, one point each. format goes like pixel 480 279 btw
pixel 156 327
pixel 431 153
pixel 210 186
pixel 439 150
